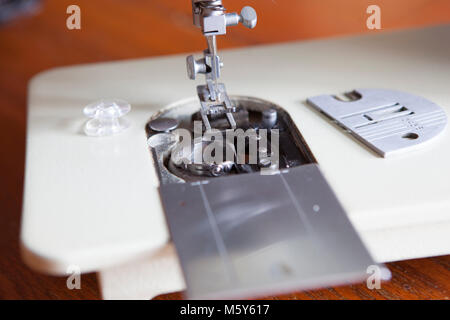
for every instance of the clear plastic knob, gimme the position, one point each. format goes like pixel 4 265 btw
pixel 106 117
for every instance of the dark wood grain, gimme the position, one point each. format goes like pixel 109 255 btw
pixel 115 29
pixel 412 279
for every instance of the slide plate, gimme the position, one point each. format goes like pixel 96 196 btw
pixel 250 235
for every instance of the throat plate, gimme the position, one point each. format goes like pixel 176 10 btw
pixel 386 121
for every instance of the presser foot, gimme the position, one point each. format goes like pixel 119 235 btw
pixel 215 105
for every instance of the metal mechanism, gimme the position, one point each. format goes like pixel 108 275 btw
pixel 386 121
pixel 174 163
pixel 163 124
pixel 240 233
pixel 270 223
pixel 210 16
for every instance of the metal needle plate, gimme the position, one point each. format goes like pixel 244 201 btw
pixel 250 235
pixel 387 121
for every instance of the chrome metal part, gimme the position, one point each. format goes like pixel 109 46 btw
pixel 240 233
pixel 210 16
pixel 163 124
pixel 386 121
pixel 252 235
pixel 175 166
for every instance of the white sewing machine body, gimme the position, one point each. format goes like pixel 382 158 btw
pixel 94 202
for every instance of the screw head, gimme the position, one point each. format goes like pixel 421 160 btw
pixel 249 17
pixel 191 70
pixel 163 124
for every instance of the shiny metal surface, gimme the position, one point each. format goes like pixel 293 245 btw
pixel 386 121
pixel 250 235
pixel 163 124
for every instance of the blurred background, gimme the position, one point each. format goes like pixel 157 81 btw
pixel 34 37
pixel 120 29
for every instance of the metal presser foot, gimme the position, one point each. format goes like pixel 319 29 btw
pixel 210 16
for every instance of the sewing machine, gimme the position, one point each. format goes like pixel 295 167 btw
pixel 281 219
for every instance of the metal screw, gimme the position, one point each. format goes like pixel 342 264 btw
pixel 248 17
pixel 163 124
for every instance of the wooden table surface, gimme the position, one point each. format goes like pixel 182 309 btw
pixel 118 29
